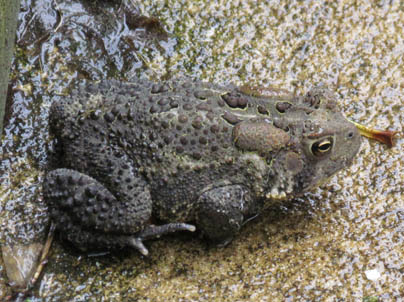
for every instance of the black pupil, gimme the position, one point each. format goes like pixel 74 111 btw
pixel 324 146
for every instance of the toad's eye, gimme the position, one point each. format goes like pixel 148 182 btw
pixel 322 147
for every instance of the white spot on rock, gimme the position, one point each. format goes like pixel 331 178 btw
pixel 372 274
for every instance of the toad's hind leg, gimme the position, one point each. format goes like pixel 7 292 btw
pixel 91 217
pixel 88 214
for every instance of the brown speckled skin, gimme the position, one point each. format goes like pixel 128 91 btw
pixel 184 151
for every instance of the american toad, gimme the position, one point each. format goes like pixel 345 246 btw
pixel 179 152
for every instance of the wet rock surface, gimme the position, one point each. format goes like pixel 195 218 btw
pixel 342 241
pixel 19 262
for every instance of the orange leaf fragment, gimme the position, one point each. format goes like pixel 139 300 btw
pixel 385 137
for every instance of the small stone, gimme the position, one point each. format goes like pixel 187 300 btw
pixel 372 274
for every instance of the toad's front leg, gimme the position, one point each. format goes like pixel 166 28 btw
pixel 222 211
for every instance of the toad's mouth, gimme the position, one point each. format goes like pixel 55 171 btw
pixel 325 178
pixel 318 183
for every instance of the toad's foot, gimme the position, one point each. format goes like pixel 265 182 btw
pixel 156 231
